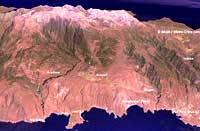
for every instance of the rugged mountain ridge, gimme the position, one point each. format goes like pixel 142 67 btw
pixel 68 59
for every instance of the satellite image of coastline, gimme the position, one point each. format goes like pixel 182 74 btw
pixel 99 65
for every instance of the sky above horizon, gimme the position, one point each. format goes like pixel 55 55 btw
pixel 186 3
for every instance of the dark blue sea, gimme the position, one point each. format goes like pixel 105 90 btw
pixel 99 120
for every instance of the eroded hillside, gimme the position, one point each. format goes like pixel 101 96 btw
pixel 68 59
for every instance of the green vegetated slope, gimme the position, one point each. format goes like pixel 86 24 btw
pixel 61 44
pixel 159 59
pixel 57 47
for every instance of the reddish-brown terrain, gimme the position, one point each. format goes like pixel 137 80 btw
pixel 67 59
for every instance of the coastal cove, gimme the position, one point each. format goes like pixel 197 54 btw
pixel 99 120
pixel 99 66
